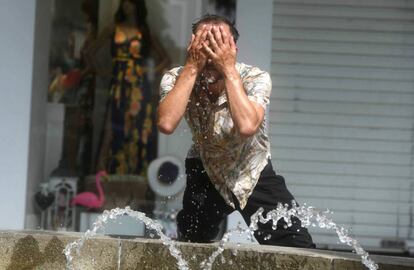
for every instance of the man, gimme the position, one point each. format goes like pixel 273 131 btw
pixel 228 166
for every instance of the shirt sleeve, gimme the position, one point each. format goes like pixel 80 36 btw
pixel 167 83
pixel 258 86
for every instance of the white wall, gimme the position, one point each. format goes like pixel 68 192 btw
pixel 17 74
pixel 37 137
pixel 254 22
pixel 16 52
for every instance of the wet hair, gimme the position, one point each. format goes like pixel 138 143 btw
pixel 216 19
pixel 141 13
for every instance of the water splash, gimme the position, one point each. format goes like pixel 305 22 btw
pixel 208 263
pixel 307 215
pixel 113 214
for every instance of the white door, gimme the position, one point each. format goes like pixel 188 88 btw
pixel 342 113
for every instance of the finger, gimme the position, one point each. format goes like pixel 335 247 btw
pixel 217 36
pixel 197 37
pixel 232 44
pixel 224 35
pixel 191 42
pixel 209 51
pixel 195 42
pixel 203 32
pixel 202 55
pixel 213 42
pixel 203 38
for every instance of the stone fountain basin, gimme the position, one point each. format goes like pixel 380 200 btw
pixel 43 250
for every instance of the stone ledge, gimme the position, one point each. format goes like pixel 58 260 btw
pixel 42 250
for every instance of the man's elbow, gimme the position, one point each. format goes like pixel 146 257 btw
pixel 165 127
pixel 247 131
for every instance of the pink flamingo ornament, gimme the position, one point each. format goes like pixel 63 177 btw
pixel 89 199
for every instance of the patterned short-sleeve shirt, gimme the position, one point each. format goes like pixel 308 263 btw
pixel 233 163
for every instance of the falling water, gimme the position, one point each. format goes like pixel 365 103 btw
pixel 113 214
pixel 307 215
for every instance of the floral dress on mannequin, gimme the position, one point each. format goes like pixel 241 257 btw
pixel 129 140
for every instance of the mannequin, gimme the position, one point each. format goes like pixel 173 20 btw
pixel 128 141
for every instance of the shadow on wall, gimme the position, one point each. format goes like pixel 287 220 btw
pixel 27 255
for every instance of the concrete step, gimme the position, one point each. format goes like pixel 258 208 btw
pixel 42 250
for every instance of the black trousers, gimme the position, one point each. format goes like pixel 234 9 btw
pixel 204 209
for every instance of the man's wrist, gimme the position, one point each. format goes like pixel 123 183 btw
pixel 230 73
pixel 192 68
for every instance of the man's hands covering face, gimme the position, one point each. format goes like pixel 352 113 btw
pixel 196 57
pixel 220 48
pixel 214 43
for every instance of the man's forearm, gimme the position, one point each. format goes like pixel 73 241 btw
pixel 172 108
pixel 244 114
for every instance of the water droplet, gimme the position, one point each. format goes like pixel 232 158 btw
pixel 307 215
pixel 234 252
